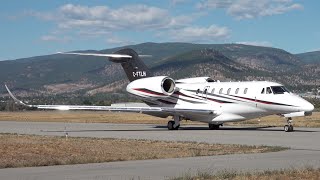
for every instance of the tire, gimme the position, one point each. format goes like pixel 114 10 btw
pixel 213 126
pixel 170 125
pixel 286 128
pixel 291 128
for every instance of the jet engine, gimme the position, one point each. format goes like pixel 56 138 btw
pixel 157 86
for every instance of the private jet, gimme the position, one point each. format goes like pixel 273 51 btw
pixel 197 99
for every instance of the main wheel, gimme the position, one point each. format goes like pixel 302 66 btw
pixel 170 125
pixel 286 128
pixel 290 128
pixel 213 126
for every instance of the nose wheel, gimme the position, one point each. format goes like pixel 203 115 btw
pixel 214 126
pixel 289 126
pixel 174 125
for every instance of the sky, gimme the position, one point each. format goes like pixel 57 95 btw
pixel 32 28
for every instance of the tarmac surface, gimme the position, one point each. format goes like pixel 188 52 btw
pixel 304 144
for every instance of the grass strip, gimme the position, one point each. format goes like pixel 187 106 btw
pixel 31 150
pixel 283 174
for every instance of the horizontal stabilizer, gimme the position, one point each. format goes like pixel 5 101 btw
pixel 101 55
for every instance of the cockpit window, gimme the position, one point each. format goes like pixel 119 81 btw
pixel 262 92
pixel 279 89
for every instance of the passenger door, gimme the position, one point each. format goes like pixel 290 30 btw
pixel 265 94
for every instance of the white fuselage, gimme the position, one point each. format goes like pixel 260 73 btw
pixel 230 101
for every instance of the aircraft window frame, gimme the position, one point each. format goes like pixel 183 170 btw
pixel 220 91
pixel 278 89
pixel 245 91
pixel 288 91
pixel 228 92
pixel 212 91
pixel 198 91
pixel 268 90
pixel 263 91
pixel 237 91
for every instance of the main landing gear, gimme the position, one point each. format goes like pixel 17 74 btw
pixel 214 126
pixel 174 125
pixel 289 126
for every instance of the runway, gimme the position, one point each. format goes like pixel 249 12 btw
pixel 304 144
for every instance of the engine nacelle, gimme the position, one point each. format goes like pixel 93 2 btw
pixel 158 86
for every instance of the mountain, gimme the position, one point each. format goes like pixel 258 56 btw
pixel 310 57
pixel 66 76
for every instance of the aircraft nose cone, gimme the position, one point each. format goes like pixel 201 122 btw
pixel 307 107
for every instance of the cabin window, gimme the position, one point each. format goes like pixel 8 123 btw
pixel 269 90
pixel 220 92
pixel 228 92
pixel 212 92
pixel 245 91
pixel 198 91
pixel 205 91
pixel 262 92
pixel 237 91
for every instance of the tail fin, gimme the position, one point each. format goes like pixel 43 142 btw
pixel 130 61
pixel 134 66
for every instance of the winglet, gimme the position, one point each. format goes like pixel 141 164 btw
pixel 14 98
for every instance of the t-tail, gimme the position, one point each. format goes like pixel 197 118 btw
pixel 134 67
pixel 130 61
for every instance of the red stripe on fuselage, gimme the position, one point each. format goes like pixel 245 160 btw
pixel 261 101
pixel 150 92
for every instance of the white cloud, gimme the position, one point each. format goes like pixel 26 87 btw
pixel 312 50
pixel 176 2
pixel 118 41
pixel 80 21
pixel 256 43
pixel 55 38
pixel 203 34
pixel 138 17
pixel 248 9
pixel 213 4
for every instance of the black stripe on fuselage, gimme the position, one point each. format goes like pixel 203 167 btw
pixel 216 100
pixel 182 94
pixel 216 95
pixel 261 101
pixel 203 98
pixel 250 99
pixel 144 90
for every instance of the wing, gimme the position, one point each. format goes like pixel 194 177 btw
pixel 168 110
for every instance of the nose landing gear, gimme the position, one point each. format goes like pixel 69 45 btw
pixel 174 125
pixel 214 126
pixel 289 126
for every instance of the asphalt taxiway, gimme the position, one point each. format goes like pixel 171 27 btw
pixel 304 152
